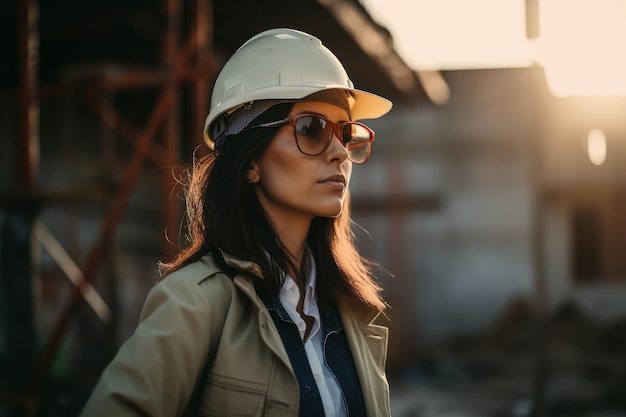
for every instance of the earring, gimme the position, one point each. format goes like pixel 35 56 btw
pixel 252 179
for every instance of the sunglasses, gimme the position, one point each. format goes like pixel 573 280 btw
pixel 314 132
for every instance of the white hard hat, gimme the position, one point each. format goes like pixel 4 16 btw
pixel 281 65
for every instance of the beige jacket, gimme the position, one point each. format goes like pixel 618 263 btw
pixel 199 312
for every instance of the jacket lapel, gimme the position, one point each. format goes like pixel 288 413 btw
pixel 368 343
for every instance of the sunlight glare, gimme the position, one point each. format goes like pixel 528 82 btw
pixel 596 147
pixel 582 46
pixel 456 34
pixel 581 43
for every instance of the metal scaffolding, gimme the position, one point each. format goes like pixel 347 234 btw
pixel 190 63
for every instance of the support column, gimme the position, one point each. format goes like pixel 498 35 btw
pixel 200 95
pixel 16 220
pixel 172 204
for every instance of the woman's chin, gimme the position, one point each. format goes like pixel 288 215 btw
pixel 332 212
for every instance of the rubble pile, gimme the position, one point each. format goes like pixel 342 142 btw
pixel 567 365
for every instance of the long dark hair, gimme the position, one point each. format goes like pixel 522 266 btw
pixel 223 212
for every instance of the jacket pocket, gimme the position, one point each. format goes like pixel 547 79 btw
pixel 230 397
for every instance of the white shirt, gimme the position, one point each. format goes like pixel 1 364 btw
pixel 327 384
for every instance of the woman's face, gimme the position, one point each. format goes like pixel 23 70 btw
pixel 292 185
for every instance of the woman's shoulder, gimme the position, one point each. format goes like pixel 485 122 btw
pixel 196 272
pixel 201 287
pixel 202 276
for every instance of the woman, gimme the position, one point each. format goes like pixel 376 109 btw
pixel 269 310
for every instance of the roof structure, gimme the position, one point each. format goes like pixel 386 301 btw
pixel 82 40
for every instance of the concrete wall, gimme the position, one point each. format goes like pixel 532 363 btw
pixel 486 155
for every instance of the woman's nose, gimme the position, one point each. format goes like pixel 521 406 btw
pixel 336 150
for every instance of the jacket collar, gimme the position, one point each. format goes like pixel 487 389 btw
pixel 241 265
pixel 364 312
pixel 358 308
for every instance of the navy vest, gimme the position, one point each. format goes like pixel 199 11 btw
pixel 336 354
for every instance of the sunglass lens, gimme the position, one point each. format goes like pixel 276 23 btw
pixel 359 153
pixel 358 142
pixel 312 133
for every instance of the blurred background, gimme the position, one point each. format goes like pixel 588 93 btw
pixel 494 201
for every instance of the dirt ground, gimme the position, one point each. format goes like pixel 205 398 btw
pixel 568 365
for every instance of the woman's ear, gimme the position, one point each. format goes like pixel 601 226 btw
pixel 253 173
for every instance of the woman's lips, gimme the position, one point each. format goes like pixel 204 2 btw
pixel 335 184
pixel 336 181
